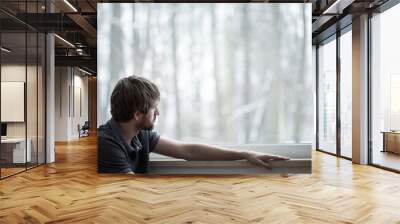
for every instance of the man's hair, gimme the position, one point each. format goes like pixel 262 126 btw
pixel 132 94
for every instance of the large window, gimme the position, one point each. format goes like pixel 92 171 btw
pixel 346 94
pixel 327 96
pixel 386 88
pixel 228 73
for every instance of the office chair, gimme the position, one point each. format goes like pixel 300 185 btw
pixel 84 130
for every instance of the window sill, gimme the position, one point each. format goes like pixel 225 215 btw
pixel 174 166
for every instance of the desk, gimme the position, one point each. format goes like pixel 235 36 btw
pixel 391 142
pixel 13 150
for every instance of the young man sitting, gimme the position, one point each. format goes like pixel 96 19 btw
pixel 125 141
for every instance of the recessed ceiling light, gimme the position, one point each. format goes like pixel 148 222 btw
pixel 84 71
pixel 64 40
pixel 5 50
pixel 337 7
pixel 71 6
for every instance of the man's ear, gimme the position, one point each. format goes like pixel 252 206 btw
pixel 137 116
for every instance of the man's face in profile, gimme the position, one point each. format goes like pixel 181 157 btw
pixel 148 120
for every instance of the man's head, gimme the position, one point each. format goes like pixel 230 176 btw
pixel 135 98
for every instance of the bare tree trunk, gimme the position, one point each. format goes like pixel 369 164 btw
pixel 220 117
pixel 231 38
pixel 156 66
pixel 196 124
pixel 246 73
pixel 175 72
pixel 116 49
pixel 299 112
pixel 272 119
pixel 141 52
pixel 265 73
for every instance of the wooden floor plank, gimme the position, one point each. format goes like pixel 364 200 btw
pixel 71 191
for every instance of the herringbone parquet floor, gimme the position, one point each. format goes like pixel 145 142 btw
pixel 71 191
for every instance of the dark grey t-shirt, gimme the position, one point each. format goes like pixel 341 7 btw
pixel 114 155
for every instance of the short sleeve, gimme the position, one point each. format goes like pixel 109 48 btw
pixel 153 140
pixel 110 157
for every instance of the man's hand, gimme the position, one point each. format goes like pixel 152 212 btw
pixel 262 159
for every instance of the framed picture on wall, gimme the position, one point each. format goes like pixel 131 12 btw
pixel 12 101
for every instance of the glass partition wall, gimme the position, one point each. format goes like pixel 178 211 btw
pixel 327 96
pixel 13 110
pixel 22 77
pixel 385 89
pixel 346 93
pixel 334 81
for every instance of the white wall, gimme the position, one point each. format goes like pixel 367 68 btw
pixel 16 73
pixel 33 126
pixel 314 72
pixel 71 94
pixel 80 102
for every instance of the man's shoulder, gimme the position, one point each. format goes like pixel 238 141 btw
pixel 149 138
pixel 147 133
pixel 104 130
pixel 105 135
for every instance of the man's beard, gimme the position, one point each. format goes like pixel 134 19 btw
pixel 148 126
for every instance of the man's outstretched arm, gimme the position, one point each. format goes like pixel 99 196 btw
pixel 193 151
